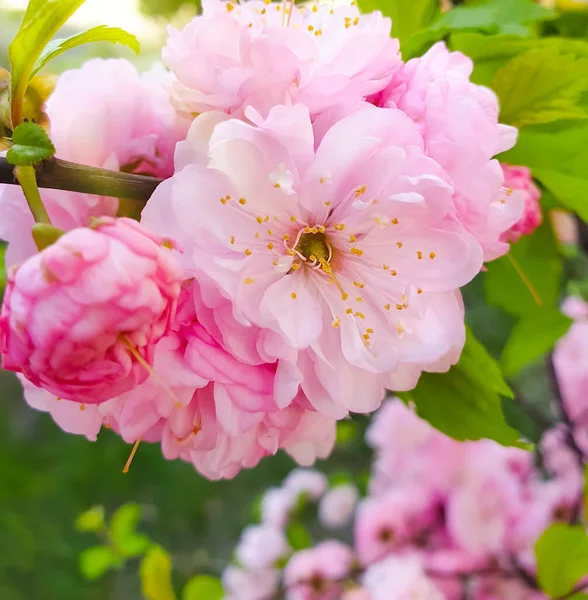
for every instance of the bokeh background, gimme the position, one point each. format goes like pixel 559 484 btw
pixel 48 477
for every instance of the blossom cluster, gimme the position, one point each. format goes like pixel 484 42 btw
pixel 323 203
pixel 442 519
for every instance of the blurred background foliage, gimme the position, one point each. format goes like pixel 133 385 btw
pixel 47 477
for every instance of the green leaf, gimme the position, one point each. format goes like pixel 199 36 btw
pixel 339 478
pixel 540 86
pixel 536 257
pixel 91 520
pixel 97 561
pixel 562 558
pixel 533 336
pixel 465 403
pixel 43 18
pixel 155 573
pixel 102 33
pixel 122 531
pixel 203 587
pixel 494 16
pixel 557 153
pixel 489 53
pixel 346 431
pixel 31 145
pixel 407 17
pixel 298 536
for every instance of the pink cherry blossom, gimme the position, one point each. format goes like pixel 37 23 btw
pixel 206 407
pixel 393 521
pixel 400 578
pixel 337 506
pixel 570 362
pixel 459 124
pixel 240 584
pixel 103 115
pixel 81 319
pixel 519 179
pixel 349 269
pixel 309 482
pixel 261 54
pixel 277 506
pixel 317 573
pixel 260 547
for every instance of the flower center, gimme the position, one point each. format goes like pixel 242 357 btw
pixel 315 248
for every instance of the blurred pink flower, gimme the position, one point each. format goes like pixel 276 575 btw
pixel 518 179
pixel 350 270
pixel 459 124
pixel 239 584
pixel 257 54
pixel 82 318
pixel 570 360
pixel 103 115
pixel 309 482
pixel 260 547
pixel 393 521
pixel 400 578
pixel 338 506
pixel 318 573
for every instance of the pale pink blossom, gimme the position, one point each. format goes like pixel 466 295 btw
pixel 517 178
pixel 81 319
pixel 239 584
pixel 103 114
pixel 239 54
pixel 277 506
pixel 570 360
pixel 337 506
pixel 459 124
pixel 394 521
pixel 261 547
pixel 485 502
pixel 350 270
pixel 358 593
pixel 312 484
pixel 318 573
pixel 400 578
pixel 206 407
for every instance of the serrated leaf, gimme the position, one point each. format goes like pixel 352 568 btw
pixel 490 53
pixel 43 18
pixel 465 403
pixel 562 558
pixel 203 587
pixel 532 337
pixel 298 536
pixel 122 531
pixel 537 258
pixel 494 16
pixel 407 17
pixel 102 33
pixel 96 561
pixel 30 145
pixel 557 153
pixel 91 520
pixel 155 573
pixel 540 86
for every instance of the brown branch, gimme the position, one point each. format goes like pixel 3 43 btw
pixel 59 174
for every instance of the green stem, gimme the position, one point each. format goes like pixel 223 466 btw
pixel 27 178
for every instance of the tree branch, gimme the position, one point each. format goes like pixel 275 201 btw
pixel 59 174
